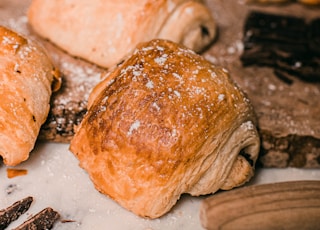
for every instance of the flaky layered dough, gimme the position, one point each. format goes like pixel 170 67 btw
pixel 103 31
pixel 164 123
pixel 26 79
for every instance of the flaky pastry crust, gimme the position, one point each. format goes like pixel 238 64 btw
pixel 164 123
pixel 26 81
pixel 104 31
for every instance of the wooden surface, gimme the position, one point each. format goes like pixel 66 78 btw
pixel 285 205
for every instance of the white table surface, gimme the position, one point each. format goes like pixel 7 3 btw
pixel 55 180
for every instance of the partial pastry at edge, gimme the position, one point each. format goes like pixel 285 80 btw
pixel 103 32
pixel 26 82
pixel 164 123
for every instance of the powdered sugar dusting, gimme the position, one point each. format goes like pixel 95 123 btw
pixel 221 97
pixel 156 106
pixel 161 82
pixel 135 125
pixel 80 78
pixel 136 73
pixel 177 93
pixel 161 60
pixel 7 40
pixel 177 76
pixel 248 125
pixel 150 85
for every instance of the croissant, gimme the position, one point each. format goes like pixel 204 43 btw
pixel 103 31
pixel 26 83
pixel 164 123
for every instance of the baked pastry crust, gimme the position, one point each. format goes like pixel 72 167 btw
pixel 104 31
pixel 26 81
pixel 164 123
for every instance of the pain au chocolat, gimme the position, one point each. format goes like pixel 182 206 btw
pixel 103 31
pixel 163 123
pixel 27 79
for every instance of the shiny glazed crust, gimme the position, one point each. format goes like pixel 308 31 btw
pixel 163 123
pixel 26 78
pixel 104 31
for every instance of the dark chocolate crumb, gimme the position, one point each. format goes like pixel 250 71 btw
pixel 11 188
pixel 14 211
pixel 287 44
pixel 45 219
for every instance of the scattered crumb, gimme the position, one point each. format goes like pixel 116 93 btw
pixel 16 172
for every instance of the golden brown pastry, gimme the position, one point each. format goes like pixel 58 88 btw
pixel 26 79
pixel 164 123
pixel 103 31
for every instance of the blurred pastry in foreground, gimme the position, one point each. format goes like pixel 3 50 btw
pixel 103 32
pixel 163 123
pixel 27 80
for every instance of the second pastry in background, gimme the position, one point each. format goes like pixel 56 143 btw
pixel 104 31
